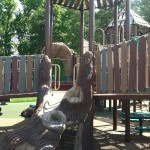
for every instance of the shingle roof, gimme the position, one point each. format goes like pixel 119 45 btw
pixel 76 4
pixel 135 19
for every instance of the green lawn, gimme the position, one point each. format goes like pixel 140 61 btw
pixel 25 99
pixel 14 108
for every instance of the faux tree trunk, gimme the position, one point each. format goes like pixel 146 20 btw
pixel 44 130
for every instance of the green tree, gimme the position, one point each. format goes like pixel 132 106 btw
pixel 67 27
pixel 103 17
pixel 7 9
pixel 142 7
pixel 29 25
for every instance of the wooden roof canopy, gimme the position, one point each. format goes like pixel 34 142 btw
pixel 77 4
pixel 138 27
pixel 135 20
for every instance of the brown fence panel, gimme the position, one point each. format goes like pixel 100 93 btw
pixel 133 66
pixel 1 76
pixel 14 79
pixel 142 64
pixel 110 70
pixel 148 46
pixel 29 73
pixel 98 71
pixel 124 67
pixel 116 70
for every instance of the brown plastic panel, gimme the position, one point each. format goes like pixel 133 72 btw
pixel 98 71
pixel 142 64
pixel 116 70
pixel 29 73
pixel 1 76
pixel 124 67
pixel 133 67
pixel 14 79
pixel 110 70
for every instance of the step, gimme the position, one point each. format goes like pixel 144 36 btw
pixel 143 128
pixel 138 115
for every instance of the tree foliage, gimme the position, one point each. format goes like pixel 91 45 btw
pixel 103 17
pixel 7 12
pixel 27 26
pixel 142 7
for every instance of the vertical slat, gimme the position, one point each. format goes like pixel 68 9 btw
pixel 36 72
pixel 116 69
pixel 7 75
pixel 66 2
pixel 87 3
pixel 29 73
pixel 124 67
pixel 22 75
pixel 1 75
pixel 98 3
pixel 105 3
pixel 98 71
pixel 71 3
pixel 104 71
pixel 110 69
pixel 110 2
pixel 77 4
pixel 14 74
pixel 54 1
pixel 142 64
pixel 148 44
pixel 133 66
pixel 60 1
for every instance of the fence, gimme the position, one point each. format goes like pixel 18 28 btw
pixel 124 67
pixel 19 76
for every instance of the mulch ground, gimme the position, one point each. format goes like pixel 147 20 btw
pixel 104 136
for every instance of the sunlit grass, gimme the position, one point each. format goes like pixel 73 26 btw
pixel 25 99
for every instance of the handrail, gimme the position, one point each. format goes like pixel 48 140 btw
pixel 75 73
pixel 56 76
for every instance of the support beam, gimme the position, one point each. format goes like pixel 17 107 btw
pixel 51 29
pixel 135 30
pixel 115 22
pixel 91 25
pixel 128 26
pixel 48 28
pixel 91 48
pixel 82 30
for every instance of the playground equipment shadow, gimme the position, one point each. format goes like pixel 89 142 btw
pixel 103 136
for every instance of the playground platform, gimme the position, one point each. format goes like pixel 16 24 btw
pixel 104 136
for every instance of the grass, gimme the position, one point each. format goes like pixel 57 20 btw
pixel 25 99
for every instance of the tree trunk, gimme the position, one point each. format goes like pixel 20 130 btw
pixel 45 128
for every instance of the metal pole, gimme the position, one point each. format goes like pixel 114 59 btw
pixel 103 34
pixel 51 29
pixel 82 30
pixel 135 28
pixel 115 22
pixel 128 27
pixel 47 27
pixel 91 25
pixel 91 48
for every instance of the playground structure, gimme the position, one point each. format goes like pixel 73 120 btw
pixel 123 72
pixel 45 128
pixel 64 53
pixel 139 27
pixel 133 83
pixel 19 74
